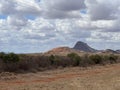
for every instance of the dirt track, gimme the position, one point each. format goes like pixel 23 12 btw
pixel 92 78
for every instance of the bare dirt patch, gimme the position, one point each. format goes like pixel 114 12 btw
pixel 92 78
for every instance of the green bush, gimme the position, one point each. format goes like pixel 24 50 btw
pixel 75 57
pixel 97 59
pixel 55 60
pixel 113 58
pixel 72 55
pixel 2 54
pixel 10 58
pixel 52 58
pixel 85 61
pixel 77 60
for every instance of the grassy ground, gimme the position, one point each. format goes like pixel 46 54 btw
pixel 92 78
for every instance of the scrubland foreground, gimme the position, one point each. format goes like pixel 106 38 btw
pixel 73 78
pixel 53 72
pixel 24 63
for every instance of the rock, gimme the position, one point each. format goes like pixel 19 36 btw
pixel 83 47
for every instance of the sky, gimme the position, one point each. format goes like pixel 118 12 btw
pixel 28 26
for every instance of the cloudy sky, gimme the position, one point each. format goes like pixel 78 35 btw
pixel 39 25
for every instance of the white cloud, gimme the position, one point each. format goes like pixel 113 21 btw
pixel 104 37
pixel 62 8
pixel 39 25
pixel 101 10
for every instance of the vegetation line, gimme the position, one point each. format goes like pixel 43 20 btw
pixel 11 62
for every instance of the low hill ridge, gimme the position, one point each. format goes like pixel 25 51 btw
pixel 79 47
pixel 62 51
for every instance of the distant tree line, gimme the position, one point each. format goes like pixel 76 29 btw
pixel 27 63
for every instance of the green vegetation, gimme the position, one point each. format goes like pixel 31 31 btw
pixel 15 63
pixel 76 58
pixel 9 58
pixel 97 59
pixel 52 58
pixel 113 58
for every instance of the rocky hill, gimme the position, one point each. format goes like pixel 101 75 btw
pixel 110 51
pixel 83 47
pixel 80 47
pixel 118 51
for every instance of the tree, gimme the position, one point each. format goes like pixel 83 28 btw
pixel 2 54
pixel 113 58
pixel 75 57
pixel 52 58
pixel 97 59
pixel 11 58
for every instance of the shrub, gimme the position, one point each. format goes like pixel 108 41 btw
pixel 77 60
pixel 10 61
pixel 52 58
pixel 24 62
pixel 97 59
pixel 65 61
pixel 10 58
pixel 72 55
pixel 55 60
pixel 85 61
pixel 2 54
pixel 43 61
pixel 113 58
pixel 75 57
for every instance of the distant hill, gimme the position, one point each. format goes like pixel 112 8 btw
pixel 80 47
pixel 83 47
pixel 118 51
pixel 61 51
pixel 109 51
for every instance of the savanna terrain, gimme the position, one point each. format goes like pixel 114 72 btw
pixel 73 78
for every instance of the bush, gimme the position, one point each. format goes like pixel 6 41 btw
pixel 97 59
pixel 10 58
pixel 72 55
pixel 2 54
pixel 43 61
pixel 113 58
pixel 52 58
pixel 14 62
pixel 75 57
pixel 10 61
pixel 85 61
pixel 55 60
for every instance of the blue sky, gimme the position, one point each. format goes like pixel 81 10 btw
pixel 28 26
pixel 3 16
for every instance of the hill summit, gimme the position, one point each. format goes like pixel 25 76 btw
pixel 83 47
pixel 79 47
pixel 61 51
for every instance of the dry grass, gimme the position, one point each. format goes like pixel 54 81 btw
pixel 91 78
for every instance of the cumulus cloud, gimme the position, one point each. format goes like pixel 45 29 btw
pixel 63 8
pixel 17 11
pixel 44 24
pixel 100 10
pixel 65 5
pixel 16 22
pixel 22 7
pixel 104 37
pixel 114 28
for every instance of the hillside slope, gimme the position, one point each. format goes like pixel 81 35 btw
pixel 83 47
pixel 61 51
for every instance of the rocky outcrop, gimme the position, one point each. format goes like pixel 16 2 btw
pixel 83 47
